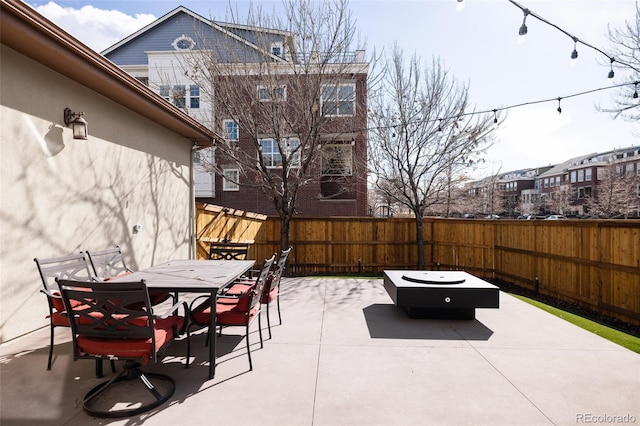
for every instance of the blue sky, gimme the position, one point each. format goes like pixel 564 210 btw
pixel 478 45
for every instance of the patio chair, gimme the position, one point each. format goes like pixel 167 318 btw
pixel 234 310
pixel 74 267
pixel 105 326
pixel 271 291
pixel 109 263
pixel 228 251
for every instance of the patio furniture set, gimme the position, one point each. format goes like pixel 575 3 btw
pixel 111 311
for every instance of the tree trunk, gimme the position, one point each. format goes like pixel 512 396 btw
pixel 285 224
pixel 419 243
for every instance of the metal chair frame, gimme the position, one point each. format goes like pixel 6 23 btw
pixel 228 251
pixel 254 306
pixel 51 270
pixel 118 315
pixel 107 263
pixel 274 282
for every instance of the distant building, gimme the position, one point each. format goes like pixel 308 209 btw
pixel 558 189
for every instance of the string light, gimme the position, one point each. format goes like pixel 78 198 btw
pixel 574 54
pixel 522 32
pixel 611 73
pixel 576 40
pixel 496 110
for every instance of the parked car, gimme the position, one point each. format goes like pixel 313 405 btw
pixel 526 217
pixel 492 216
pixel 469 216
pixel 555 217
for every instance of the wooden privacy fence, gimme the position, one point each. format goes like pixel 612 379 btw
pixel 595 263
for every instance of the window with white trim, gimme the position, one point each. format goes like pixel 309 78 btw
pixel 338 99
pixel 179 95
pixel 165 92
pixel 270 151
pixel 587 174
pixel 581 175
pixel 272 93
pixel 194 97
pixel 277 48
pixel 230 179
pixel 230 130
pixel 337 159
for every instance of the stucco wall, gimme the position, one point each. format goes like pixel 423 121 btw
pixel 60 195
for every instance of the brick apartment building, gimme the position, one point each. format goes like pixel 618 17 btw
pixel 156 55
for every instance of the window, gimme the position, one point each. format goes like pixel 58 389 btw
pixel 558 180
pixel 580 175
pixel 230 129
pixel 277 49
pixel 573 177
pixel 273 93
pixel 271 152
pixel 551 182
pixel 194 97
pixel 338 99
pixel 629 169
pixel 546 182
pixel 587 174
pixel 638 169
pixel 230 180
pixel 165 92
pixel 179 93
pixel 336 160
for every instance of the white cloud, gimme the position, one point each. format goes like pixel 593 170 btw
pixel 97 28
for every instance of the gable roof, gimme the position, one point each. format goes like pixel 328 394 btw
pixel 229 30
pixel 26 31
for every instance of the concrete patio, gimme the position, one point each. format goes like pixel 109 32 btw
pixel 345 355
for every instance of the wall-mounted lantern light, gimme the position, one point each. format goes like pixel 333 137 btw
pixel 77 123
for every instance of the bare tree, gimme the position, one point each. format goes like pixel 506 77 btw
pixel 616 193
pixel 626 48
pixel 422 132
pixel 559 200
pixel 291 100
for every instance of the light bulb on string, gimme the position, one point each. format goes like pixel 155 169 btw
pixel 522 32
pixel 460 5
pixel 559 108
pixel 635 90
pixel 495 116
pixel 611 73
pixel 574 54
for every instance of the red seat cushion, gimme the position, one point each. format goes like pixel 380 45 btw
pixel 268 297
pixel 240 287
pixel 58 304
pixel 124 274
pixel 226 313
pixel 141 349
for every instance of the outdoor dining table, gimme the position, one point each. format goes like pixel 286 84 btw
pixel 194 276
